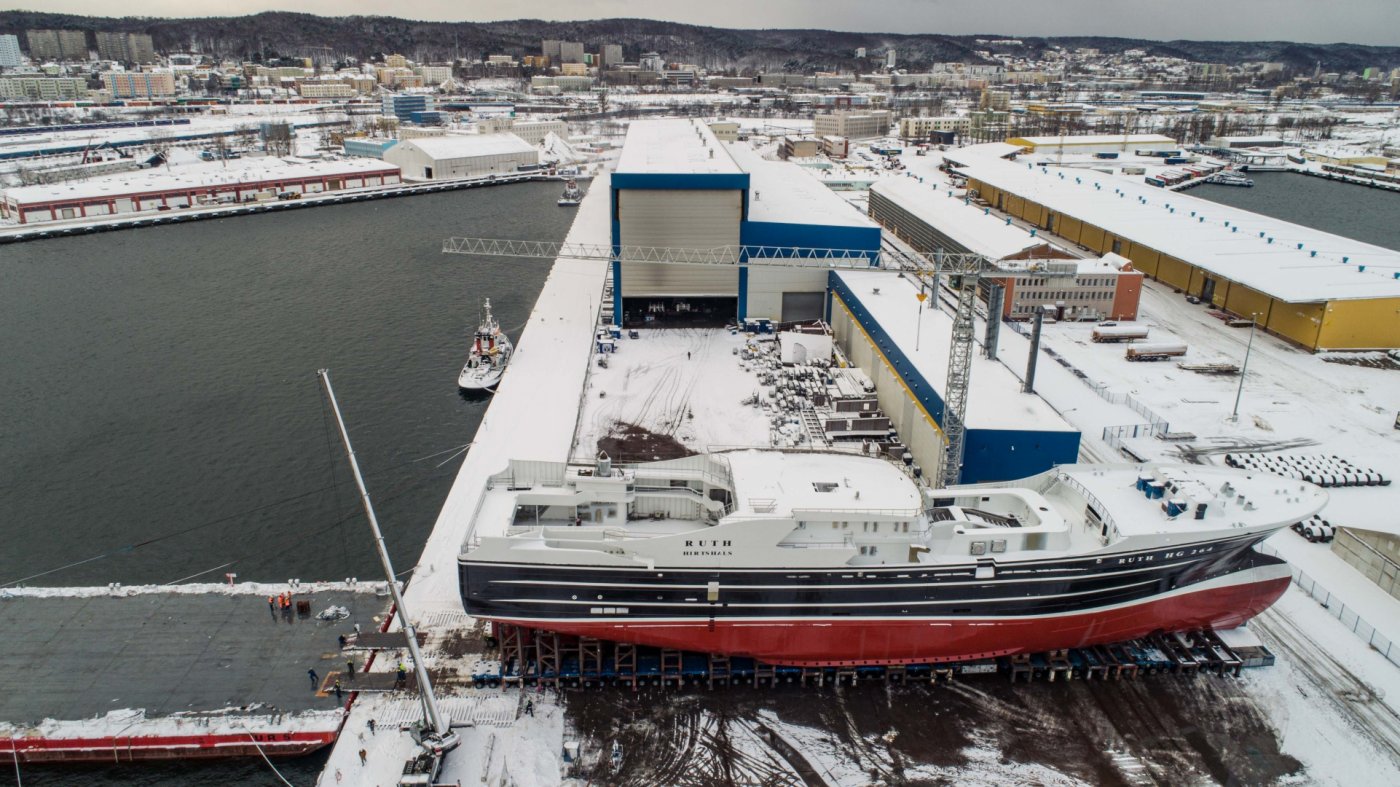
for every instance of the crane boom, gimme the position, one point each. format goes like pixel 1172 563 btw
pixel 966 269
pixel 769 256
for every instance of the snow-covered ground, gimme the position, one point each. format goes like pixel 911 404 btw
pixel 1289 396
pixel 685 383
pixel 1334 702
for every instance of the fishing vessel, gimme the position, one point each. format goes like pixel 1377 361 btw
pixel 573 195
pixel 821 559
pixel 490 353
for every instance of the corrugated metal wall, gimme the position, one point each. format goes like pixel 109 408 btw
pixel 698 219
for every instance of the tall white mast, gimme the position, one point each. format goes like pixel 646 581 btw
pixel 441 728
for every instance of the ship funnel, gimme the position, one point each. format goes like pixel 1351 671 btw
pixel 604 469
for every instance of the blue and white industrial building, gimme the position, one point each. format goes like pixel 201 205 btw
pixel 877 321
pixel 678 186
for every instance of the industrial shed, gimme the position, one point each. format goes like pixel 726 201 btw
pixel 677 185
pixel 190 185
pixel 876 319
pixel 1319 290
pixel 462 156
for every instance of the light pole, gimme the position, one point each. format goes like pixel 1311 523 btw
pixel 1244 367
pixel 919 321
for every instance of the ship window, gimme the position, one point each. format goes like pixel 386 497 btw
pixel 999 545
pixel 979 547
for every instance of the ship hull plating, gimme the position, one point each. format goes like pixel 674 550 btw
pixel 887 617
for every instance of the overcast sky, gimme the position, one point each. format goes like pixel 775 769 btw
pixel 1323 21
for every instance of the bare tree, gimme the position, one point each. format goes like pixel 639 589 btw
pixel 221 148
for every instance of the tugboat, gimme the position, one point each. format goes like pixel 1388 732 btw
pixel 491 350
pixel 573 195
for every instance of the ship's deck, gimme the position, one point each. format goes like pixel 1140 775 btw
pixel 1232 498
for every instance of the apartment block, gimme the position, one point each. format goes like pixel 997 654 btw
pixel 57 44
pixel 139 84
pixel 126 47
pixel 852 125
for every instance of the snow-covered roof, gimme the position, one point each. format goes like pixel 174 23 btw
pixel 1099 139
pixel 782 482
pixel 988 149
pixel 786 193
pixel 995 400
pixel 1290 262
pixel 455 146
pixel 213 173
pixel 43 140
pixel 673 146
pixel 964 224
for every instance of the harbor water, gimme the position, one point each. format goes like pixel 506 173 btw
pixel 160 416
pixel 1346 209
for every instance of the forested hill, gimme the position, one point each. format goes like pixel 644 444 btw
pixel 273 34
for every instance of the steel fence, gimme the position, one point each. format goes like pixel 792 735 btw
pixel 1337 609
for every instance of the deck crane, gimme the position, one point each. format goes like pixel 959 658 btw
pixel 963 271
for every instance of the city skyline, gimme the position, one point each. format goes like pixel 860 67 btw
pixel 1373 22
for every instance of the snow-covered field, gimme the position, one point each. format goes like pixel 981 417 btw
pixel 685 383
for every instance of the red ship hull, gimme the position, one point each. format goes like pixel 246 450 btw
pixel 34 749
pixel 1220 604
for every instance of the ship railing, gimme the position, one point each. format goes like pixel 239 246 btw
pixel 843 514
pixel 683 490
pixel 1097 506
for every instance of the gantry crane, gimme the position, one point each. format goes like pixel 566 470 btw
pixel 963 271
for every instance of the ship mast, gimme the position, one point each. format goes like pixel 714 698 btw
pixel 442 730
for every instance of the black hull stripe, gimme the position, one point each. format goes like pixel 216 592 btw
pixel 1002 577
pixel 822 604
pixel 466 561
pixel 486 593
